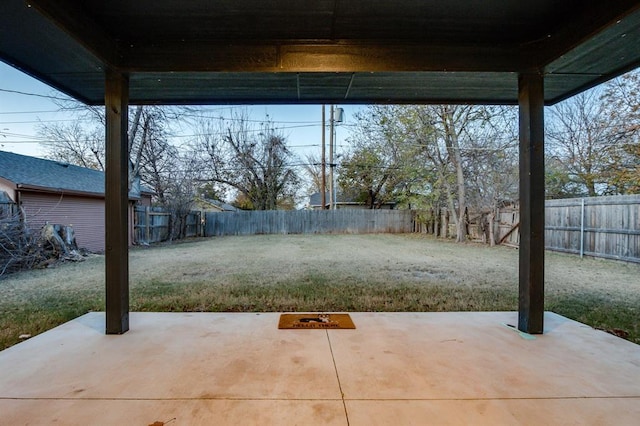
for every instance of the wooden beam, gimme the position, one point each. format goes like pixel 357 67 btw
pixel 313 56
pixel 591 18
pixel 531 263
pixel 70 18
pixel 116 202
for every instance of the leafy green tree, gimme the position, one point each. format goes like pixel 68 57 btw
pixel 558 182
pixel 429 156
pixel 363 177
pixel 383 165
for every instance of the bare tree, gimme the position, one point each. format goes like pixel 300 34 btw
pixel 179 192
pixel 312 168
pixel 622 104
pixel 80 142
pixel 579 139
pixel 153 160
pixel 254 161
pixel 442 130
pixel 491 156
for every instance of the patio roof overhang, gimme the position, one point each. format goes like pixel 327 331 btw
pixel 118 52
pixel 322 51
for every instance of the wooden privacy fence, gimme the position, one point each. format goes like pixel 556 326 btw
pixel 150 224
pixel 191 224
pixel 348 221
pixel 440 223
pixel 153 225
pixel 607 227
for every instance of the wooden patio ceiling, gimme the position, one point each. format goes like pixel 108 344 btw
pixel 333 51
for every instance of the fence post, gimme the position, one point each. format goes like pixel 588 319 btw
pixel 147 224
pixel 581 228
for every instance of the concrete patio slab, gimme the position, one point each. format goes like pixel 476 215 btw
pixel 394 368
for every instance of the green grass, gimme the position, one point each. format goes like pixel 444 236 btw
pixel 316 294
pixel 18 320
pixel 600 312
pixel 295 273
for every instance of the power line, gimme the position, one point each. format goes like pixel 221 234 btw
pixel 2 123
pixel 17 92
pixel 250 120
pixel 194 135
pixel 299 124
pixel 36 112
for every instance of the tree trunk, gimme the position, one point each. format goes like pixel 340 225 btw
pixel 445 224
pixel 453 146
pixel 492 238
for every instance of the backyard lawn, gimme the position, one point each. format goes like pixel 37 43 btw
pixel 381 272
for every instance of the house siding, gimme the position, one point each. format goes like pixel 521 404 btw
pixel 8 187
pixel 84 214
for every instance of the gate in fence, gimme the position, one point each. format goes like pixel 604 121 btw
pixel 153 225
pixel 150 224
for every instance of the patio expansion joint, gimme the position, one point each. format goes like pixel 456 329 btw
pixel 523 398
pixel 222 398
pixel 333 358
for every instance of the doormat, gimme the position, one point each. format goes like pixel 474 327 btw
pixel 304 321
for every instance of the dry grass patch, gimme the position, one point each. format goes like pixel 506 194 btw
pixel 322 273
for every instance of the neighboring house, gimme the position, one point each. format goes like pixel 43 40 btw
pixel 343 202
pixel 59 193
pixel 210 205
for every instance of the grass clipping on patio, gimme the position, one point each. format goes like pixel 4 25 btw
pixel 323 273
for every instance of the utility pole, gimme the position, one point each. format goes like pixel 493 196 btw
pixel 331 163
pixel 323 189
pixel 337 116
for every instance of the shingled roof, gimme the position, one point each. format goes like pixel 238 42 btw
pixel 48 175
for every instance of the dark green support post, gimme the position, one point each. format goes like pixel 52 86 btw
pixel 531 279
pixel 116 202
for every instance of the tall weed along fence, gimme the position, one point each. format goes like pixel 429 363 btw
pixel 308 222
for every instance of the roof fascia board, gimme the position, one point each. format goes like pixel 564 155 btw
pixel 35 188
pixel 61 191
pixel 593 83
